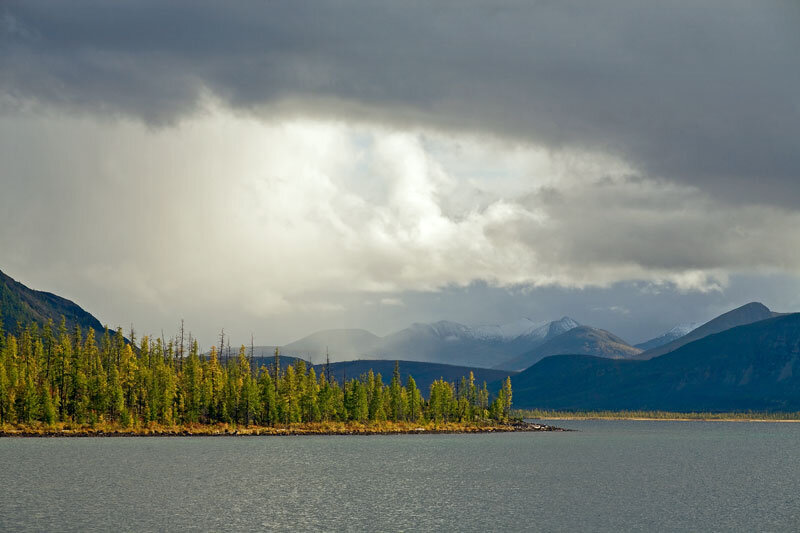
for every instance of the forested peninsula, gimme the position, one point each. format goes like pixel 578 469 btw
pixel 55 381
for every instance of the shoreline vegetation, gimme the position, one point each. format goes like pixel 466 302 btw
pixel 59 382
pixel 311 428
pixel 744 416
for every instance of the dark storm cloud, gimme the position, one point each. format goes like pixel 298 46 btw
pixel 636 311
pixel 704 93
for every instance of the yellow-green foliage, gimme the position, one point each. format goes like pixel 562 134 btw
pixel 54 376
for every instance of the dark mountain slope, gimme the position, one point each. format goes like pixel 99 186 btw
pixel 580 340
pixel 751 367
pixel 269 361
pixel 746 314
pixel 424 373
pixel 19 304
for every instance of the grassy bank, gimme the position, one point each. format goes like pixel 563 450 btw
pixel 320 428
pixel 750 416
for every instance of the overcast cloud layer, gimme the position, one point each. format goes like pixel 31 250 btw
pixel 285 168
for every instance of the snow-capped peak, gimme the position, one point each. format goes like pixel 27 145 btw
pixel 507 332
pixel 452 330
pixel 557 327
pixel 522 328
pixel 683 329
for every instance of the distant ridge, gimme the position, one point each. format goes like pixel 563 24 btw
pixel 674 333
pixel 22 305
pixel 746 314
pixel 580 340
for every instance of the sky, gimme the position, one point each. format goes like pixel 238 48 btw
pixel 276 168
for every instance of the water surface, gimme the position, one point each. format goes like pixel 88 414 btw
pixel 608 476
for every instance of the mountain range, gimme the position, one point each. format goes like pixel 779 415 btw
pixel 744 359
pixel 750 367
pixel 445 342
pixel 513 346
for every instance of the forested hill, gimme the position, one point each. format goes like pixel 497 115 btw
pixel 21 305
pixel 753 367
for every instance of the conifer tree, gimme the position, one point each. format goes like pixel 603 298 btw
pixel 414 400
pixel 116 404
pixel 507 398
pixel 277 367
pixel 377 410
pixel 5 386
pixel 472 396
pixel 396 404
pixel 192 385
pixel 288 407
pixel 361 401
pixel 269 408
pixel 309 401
pixel 248 396
pixel 47 409
pixel 27 399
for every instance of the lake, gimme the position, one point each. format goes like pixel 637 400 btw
pixel 609 475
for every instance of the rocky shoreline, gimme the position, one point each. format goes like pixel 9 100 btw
pixel 293 430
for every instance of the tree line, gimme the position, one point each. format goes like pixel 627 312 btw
pixel 51 374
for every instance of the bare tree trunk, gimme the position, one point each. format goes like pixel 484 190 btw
pixel 327 364
pixel 180 348
pixel 222 344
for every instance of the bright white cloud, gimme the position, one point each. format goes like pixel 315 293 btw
pixel 226 214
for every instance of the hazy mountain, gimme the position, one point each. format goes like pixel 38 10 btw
pixel 424 373
pixel 20 304
pixel 746 314
pixel 675 333
pixel 510 331
pixel 580 340
pixel 440 342
pixel 343 344
pixel 750 367
pixel 482 346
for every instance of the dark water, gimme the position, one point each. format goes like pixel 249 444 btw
pixel 609 476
